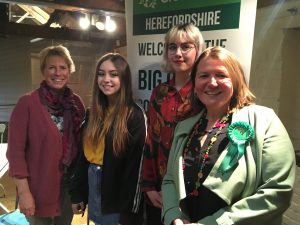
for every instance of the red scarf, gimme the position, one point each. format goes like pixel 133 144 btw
pixel 71 109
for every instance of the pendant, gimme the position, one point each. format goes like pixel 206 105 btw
pixel 200 175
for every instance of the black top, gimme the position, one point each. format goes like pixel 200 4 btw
pixel 120 187
pixel 206 202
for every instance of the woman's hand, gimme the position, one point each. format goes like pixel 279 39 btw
pixel 78 208
pixel 155 198
pixel 26 203
pixel 177 222
pixel 182 221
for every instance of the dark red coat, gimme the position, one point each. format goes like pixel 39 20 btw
pixel 35 152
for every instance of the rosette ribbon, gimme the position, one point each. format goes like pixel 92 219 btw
pixel 239 134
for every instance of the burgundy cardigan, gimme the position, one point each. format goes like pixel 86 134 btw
pixel 35 152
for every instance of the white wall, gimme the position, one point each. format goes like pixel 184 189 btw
pixel 275 76
pixel 273 25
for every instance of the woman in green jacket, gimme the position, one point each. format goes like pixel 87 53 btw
pixel 233 163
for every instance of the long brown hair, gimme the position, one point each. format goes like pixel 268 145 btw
pixel 101 120
pixel 242 96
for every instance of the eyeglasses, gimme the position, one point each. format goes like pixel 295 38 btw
pixel 184 48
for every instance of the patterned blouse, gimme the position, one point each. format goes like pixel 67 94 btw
pixel 167 107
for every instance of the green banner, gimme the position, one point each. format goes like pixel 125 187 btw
pixel 216 17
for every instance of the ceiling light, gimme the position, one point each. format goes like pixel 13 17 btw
pixel 110 25
pixel 55 25
pixel 36 40
pixel 84 22
pixel 100 25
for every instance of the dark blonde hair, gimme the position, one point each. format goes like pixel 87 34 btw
pixel 101 121
pixel 183 31
pixel 58 50
pixel 242 95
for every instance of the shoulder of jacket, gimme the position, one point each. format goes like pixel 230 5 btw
pixel 29 97
pixel 138 113
pixel 138 108
pixel 260 110
pixel 255 114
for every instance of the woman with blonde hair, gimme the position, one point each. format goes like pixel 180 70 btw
pixel 169 103
pixel 44 133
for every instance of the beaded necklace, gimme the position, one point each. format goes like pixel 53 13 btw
pixel 202 161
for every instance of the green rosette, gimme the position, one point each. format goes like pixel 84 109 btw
pixel 239 133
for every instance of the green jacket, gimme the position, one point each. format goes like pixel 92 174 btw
pixel 257 191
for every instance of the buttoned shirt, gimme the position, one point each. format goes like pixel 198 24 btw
pixel 167 107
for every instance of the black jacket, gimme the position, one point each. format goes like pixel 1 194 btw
pixel 121 176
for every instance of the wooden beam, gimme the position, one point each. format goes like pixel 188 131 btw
pixel 35 31
pixel 110 5
pixel 35 11
pixel 114 7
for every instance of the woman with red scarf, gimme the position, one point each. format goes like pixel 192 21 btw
pixel 43 139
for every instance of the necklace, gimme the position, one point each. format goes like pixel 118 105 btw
pixel 203 160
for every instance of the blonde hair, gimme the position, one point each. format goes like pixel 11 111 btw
pixel 105 118
pixel 58 50
pixel 182 31
pixel 242 95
